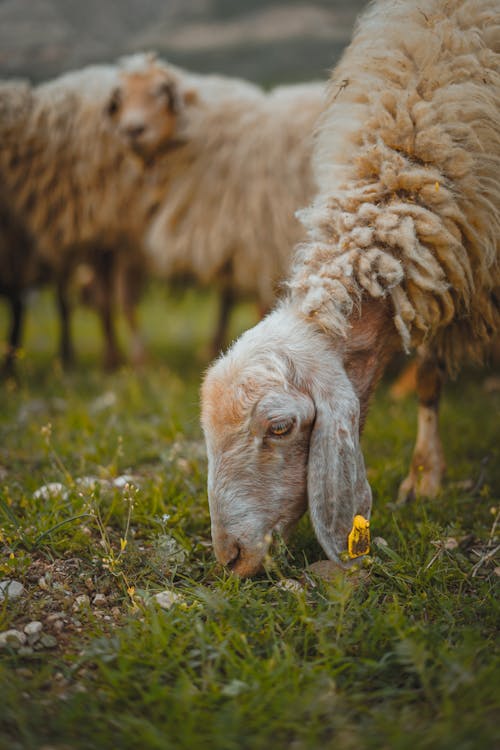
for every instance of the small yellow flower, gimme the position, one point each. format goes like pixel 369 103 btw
pixel 131 591
pixel 436 186
pixel 11 556
pixel 123 544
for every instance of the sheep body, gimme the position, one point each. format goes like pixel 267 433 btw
pixel 407 160
pixel 76 189
pixel 402 248
pixel 234 188
pixel 60 168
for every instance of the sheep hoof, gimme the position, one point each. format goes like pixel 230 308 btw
pixel 421 482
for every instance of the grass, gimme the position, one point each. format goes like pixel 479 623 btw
pixel 406 657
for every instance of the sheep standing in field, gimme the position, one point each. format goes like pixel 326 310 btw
pixel 19 266
pixel 77 190
pixel 231 190
pixel 402 251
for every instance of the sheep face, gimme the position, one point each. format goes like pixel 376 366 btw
pixel 281 422
pixel 144 108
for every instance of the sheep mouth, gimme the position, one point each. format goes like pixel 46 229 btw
pixel 151 153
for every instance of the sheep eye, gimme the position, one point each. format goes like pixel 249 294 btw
pixel 114 103
pixel 282 428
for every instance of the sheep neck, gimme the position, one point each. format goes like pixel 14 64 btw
pixel 372 341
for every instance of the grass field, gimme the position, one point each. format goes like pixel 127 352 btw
pixel 404 657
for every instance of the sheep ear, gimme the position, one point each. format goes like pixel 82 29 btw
pixel 337 486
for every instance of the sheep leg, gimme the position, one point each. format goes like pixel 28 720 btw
pixel 428 464
pixel 66 344
pixel 17 316
pixel 406 383
pixel 226 303
pixel 132 282
pixel 105 278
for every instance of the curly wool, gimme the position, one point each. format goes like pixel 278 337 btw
pixel 407 162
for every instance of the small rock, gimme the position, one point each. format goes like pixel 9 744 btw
pixel 379 541
pixel 325 569
pixel 166 599
pixel 25 651
pixel 55 616
pixel 32 639
pixel 122 481
pixel 58 626
pixel 289 584
pixel 12 638
pixel 51 490
pixel 116 612
pixel 33 628
pixel 101 403
pixel 10 589
pixel 81 602
pixel 329 571
pixel 48 641
pixel 450 543
pixel 99 600
pixel 42 582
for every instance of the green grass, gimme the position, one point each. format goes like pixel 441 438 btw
pixel 407 657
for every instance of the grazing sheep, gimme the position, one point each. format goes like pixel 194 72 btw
pixel 231 189
pixel 76 189
pixel 402 251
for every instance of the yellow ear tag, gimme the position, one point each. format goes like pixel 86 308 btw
pixel 358 541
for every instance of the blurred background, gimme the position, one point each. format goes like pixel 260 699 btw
pixel 267 41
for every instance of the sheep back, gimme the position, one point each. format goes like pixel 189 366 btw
pixel 407 164
pixel 233 189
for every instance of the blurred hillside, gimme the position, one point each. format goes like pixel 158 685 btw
pixel 267 41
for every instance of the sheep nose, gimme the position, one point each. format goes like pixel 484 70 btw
pixel 135 131
pixel 231 556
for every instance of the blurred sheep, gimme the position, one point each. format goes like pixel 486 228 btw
pixel 76 190
pixel 226 216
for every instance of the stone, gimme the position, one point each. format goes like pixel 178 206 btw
pixel 10 589
pixel 166 599
pixel 33 628
pixel 48 641
pixel 51 490
pixel 12 638
pixel 81 602
pixel 289 584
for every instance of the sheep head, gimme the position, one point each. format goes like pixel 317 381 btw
pixel 281 423
pixel 145 106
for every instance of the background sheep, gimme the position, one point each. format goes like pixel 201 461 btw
pixel 19 266
pixel 231 190
pixel 76 189
pixel 402 249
